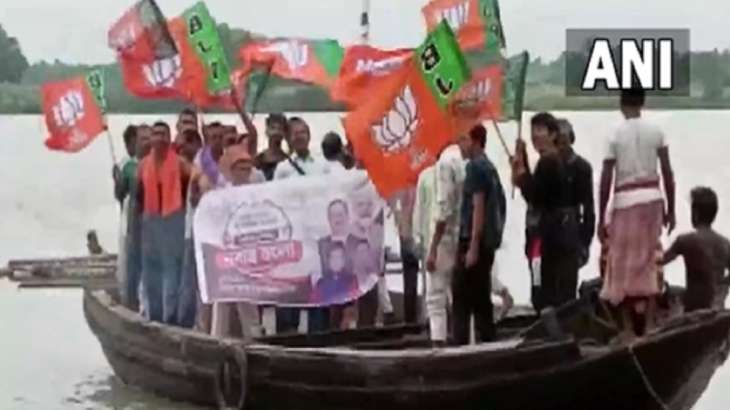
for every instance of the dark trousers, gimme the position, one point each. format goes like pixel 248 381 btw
pixel 367 308
pixel 134 260
pixel 410 280
pixel 559 278
pixel 472 290
pixel 287 319
pixel 188 293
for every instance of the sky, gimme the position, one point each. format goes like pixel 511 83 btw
pixel 75 31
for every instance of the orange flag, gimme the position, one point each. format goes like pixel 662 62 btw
pixel 476 22
pixel 73 116
pixel 362 66
pixel 311 61
pixel 403 129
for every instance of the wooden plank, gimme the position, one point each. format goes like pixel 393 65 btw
pixel 41 283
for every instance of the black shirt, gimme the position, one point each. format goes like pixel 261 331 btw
pixel 482 177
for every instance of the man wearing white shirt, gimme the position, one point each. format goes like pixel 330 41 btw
pixel 302 162
pixel 450 171
pixel 640 210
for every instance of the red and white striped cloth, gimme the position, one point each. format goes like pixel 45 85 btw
pixel 631 268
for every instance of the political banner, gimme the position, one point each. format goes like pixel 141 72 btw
pixel 305 241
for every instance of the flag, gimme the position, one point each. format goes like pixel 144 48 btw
pixel 73 112
pixel 147 55
pixel 476 23
pixel 406 123
pixel 310 61
pixel 197 71
pixel 361 66
pixel 205 78
pixel 495 91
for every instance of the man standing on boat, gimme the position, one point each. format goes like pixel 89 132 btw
pixel 550 192
pixel 186 120
pixel 450 171
pixel 302 163
pixel 277 130
pixel 483 212
pixel 126 188
pixel 163 183
pixel 581 176
pixel 118 174
pixel 639 211
pixel 402 206
pixel 237 166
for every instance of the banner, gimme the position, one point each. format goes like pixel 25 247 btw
pixel 307 241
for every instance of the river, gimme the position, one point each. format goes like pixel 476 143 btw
pixel 50 360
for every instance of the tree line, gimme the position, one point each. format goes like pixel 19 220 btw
pixel 20 83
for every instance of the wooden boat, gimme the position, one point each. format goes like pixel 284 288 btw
pixel 531 367
pixel 91 271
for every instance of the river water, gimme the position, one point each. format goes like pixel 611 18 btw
pixel 50 360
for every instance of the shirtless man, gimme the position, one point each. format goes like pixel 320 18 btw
pixel 706 255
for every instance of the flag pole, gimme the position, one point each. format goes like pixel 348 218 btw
pixel 365 22
pixel 111 144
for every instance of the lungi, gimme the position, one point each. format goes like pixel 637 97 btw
pixel 631 264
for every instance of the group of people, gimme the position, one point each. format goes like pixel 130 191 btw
pixel 450 225
pixel 637 181
pixel 159 187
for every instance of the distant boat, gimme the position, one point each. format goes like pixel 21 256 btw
pixel 531 367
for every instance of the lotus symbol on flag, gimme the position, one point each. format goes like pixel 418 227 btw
pixel 397 128
pixel 294 53
pixel 456 15
pixel 472 98
pixel 164 72
pixel 69 109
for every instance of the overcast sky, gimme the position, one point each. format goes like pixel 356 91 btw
pixel 75 30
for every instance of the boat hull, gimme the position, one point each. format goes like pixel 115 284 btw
pixel 183 365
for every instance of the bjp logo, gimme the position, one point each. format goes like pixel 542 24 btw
pixel 396 129
pixel 69 110
pixel 295 54
pixel 163 73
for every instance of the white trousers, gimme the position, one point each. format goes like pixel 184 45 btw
pixel 248 314
pixel 438 291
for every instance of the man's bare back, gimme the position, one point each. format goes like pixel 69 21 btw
pixel 706 256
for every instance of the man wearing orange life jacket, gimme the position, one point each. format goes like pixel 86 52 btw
pixel 163 182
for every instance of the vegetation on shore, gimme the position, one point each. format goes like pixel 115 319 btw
pixel 20 84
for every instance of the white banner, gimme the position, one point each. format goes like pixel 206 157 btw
pixel 303 241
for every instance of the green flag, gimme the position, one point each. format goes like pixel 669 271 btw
pixel 442 64
pixel 203 37
pixel 95 81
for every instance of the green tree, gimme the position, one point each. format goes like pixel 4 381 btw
pixel 12 61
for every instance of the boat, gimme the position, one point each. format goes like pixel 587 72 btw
pixel 90 271
pixel 564 360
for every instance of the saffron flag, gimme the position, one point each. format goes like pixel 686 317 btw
pixel 476 23
pixel 402 131
pixel 196 71
pixel 73 112
pixel 495 91
pixel 361 67
pixel 147 55
pixel 310 61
